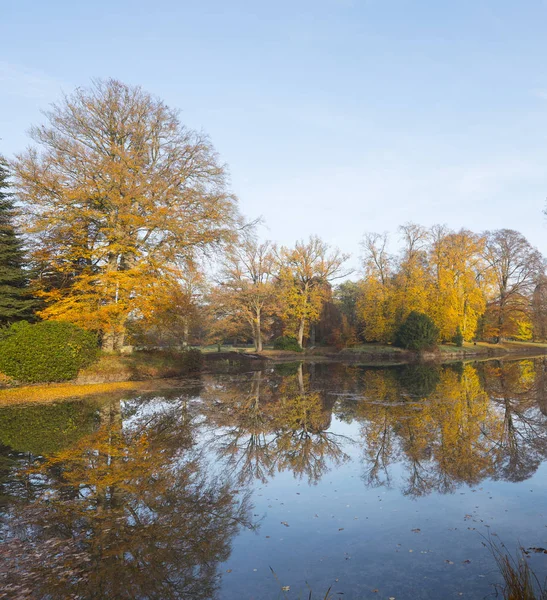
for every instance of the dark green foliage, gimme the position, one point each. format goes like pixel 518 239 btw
pixel 287 342
pixel 420 380
pixel 458 337
pixel 44 429
pixel 15 300
pixel 286 369
pixel 46 351
pixel 192 360
pixel 418 332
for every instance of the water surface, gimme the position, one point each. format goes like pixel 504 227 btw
pixel 373 482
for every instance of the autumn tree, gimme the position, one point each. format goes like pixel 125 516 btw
pixel 413 281
pixel 178 312
pixel 246 293
pixel 15 300
pixel 376 304
pixel 515 265
pixel 460 281
pixel 305 274
pixel 118 194
pixel 539 308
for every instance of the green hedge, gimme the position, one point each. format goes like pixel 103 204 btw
pixel 418 332
pixel 46 351
pixel 287 342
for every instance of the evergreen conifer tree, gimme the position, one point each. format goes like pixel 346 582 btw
pixel 15 301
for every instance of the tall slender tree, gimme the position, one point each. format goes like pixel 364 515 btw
pixel 15 301
pixel 305 275
pixel 246 292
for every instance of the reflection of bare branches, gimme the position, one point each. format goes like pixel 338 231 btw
pixel 128 513
pixel 278 424
pixel 249 455
pixel 378 453
pixel 309 454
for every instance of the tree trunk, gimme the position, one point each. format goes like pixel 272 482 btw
pixel 107 344
pixel 301 379
pixel 258 342
pixel 185 332
pixel 301 333
pixel 113 341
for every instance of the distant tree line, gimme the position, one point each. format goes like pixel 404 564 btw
pixel 120 219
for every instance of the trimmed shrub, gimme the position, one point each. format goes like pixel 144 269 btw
pixel 46 351
pixel 418 332
pixel 287 342
pixel 192 360
pixel 458 337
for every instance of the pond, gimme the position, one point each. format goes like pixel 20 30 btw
pixel 295 480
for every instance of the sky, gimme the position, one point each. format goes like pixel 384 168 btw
pixel 335 117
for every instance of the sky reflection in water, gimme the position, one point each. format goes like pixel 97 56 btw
pixel 376 482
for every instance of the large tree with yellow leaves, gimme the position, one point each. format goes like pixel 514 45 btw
pixel 119 196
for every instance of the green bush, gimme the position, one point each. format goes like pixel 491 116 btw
pixel 418 332
pixel 458 337
pixel 192 360
pixel 287 342
pixel 46 351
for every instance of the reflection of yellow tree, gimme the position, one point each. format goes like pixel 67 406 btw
pixel 456 433
pixel 129 513
pixel 467 422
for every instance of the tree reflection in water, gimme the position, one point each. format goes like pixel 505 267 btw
pixel 130 511
pixel 280 424
pixel 136 508
pixel 475 422
pixel 447 426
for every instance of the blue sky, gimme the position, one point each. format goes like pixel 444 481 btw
pixel 335 117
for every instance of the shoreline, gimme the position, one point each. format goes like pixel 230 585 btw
pixel 92 384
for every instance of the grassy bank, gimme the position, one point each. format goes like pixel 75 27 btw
pixel 388 354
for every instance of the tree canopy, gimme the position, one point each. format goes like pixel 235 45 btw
pixel 119 195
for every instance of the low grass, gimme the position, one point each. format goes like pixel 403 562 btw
pixel 140 365
pixel 374 349
pixel 60 391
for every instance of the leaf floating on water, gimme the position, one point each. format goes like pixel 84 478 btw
pixel 228 570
